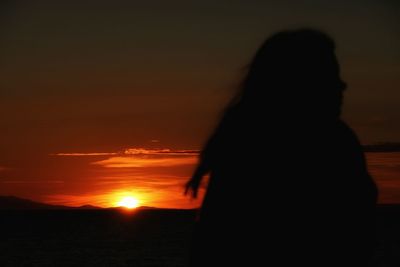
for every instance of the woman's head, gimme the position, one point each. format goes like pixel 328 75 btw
pixel 297 69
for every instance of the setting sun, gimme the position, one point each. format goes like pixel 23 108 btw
pixel 128 202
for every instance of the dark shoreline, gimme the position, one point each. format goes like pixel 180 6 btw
pixel 143 237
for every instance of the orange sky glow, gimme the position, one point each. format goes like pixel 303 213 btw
pixel 155 177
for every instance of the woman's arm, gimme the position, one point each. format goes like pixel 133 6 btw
pixel 192 186
pixel 209 154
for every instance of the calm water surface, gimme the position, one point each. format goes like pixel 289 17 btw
pixel 385 169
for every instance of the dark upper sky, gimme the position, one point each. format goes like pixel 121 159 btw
pixel 93 76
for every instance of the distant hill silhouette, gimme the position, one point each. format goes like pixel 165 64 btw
pixel 142 208
pixel 382 147
pixel 16 203
pixel 87 207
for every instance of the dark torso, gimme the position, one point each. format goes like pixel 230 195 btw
pixel 299 186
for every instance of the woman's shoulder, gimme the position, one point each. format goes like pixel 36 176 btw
pixel 346 130
pixel 346 137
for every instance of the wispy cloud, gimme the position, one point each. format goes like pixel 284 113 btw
pixel 85 154
pixel 32 182
pixel 138 162
pixel 142 158
pixel 165 151
pixel 132 151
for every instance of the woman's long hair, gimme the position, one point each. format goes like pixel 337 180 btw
pixel 296 69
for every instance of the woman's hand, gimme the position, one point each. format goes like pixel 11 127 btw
pixel 192 186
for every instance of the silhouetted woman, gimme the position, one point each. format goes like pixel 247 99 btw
pixel 288 180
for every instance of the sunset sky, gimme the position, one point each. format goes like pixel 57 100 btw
pixel 104 99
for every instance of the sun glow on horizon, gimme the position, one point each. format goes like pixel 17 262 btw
pixel 128 202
